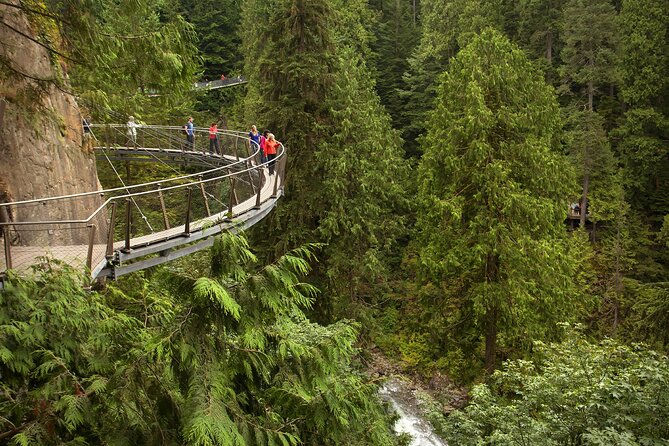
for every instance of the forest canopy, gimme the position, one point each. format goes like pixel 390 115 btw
pixel 476 189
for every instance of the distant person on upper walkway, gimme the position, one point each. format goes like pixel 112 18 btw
pixel 132 131
pixel 254 141
pixel 213 139
pixel 222 77
pixel 270 150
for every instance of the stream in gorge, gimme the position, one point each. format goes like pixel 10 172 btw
pixel 410 419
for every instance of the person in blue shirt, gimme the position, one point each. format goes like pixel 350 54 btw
pixel 254 137
pixel 190 133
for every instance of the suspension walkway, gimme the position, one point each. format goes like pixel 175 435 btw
pixel 214 85
pixel 132 227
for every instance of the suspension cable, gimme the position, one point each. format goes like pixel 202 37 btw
pixel 146 220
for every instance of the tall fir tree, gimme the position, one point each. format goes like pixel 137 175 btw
pixel 493 199
pixel 345 163
pixel 446 27
pixel 538 30
pixel 396 36
pixel 217 26
pixel 643 147
pixel 589 56
pixel 644 135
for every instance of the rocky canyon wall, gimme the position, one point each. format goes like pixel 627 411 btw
pixel 41 150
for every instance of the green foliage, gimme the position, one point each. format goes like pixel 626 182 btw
pixel 224 359
pixel 590 38
pixel 128 49
pixel 396 37
pixel 539 27
pixel 342 149
pixel 447 26
pixel 644 135
pixel 574 392
pixel 493 198
pixel 216 24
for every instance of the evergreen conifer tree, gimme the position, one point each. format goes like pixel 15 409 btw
pixel 225 359
pixel 396 36
pixel 493 197
pixel 644 135
pixel 589 56
pixel 345 167
pixel 446 27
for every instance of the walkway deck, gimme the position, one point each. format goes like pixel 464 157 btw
pixel 128 254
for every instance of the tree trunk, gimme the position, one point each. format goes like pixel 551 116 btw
pixel 584 199
pixel 491 317
pixel 491 339
pixel 549 47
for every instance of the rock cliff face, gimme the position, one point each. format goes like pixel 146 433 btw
pixel 41 152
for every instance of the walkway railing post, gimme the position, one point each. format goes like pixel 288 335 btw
pixel 128 211
pixel 261 173
pixel 8 247
pixel 231 202
pixel 204 196
pixel 91 242
pixel 280 170
pixel 249 168
pixel 162 207
pixel 189 193
pixel 110 235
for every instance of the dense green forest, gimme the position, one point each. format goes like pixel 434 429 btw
pixel 475 189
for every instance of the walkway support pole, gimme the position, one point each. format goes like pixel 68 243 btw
pixel 189 193
pixel 8 249
pixel 162 207
pixel 91 242
pixel 232 196
pixel 128 210
pixel 261 173
pixel 204 196
pixel 110 234
pixel 277 174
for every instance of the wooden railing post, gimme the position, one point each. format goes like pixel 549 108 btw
pixel 261 173
pixel 249 167
pixel 162 207
pixel 8 247
pixel 231 202
pixel 276 179
pixel 128 211
pixel 189 193
pixel 110 235
pixel 204 196
pixel 280 172
pixel 91 242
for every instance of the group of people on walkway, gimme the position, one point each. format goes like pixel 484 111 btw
pixel 268 146
pixel 266 140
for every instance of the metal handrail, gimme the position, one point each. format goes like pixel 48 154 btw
pixel 138 194
pixel 104 252
pixel 152 183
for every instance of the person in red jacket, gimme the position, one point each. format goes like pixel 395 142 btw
pixel 213 139
pixel 270 150
pixel 263 140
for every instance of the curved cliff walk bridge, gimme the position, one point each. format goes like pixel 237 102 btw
pixel 116 231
